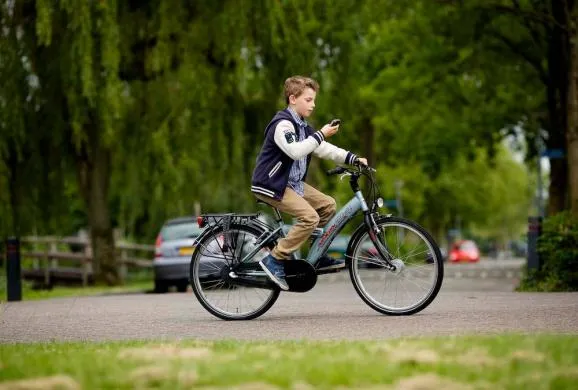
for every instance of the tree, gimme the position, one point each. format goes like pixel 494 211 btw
pixel 543 37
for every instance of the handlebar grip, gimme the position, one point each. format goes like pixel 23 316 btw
pixel 336 171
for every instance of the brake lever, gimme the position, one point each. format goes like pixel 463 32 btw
pixel 345 174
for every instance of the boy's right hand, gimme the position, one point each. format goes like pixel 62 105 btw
pixel 329 130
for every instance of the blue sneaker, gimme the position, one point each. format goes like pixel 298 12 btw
pixel 328 263
pixel 275 271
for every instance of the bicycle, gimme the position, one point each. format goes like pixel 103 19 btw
pixel 384 251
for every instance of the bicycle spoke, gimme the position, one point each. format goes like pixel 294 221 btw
pixel 412 284
pixel 222 297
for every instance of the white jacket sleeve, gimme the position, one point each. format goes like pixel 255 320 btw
pixel 286 138
pixel 331 152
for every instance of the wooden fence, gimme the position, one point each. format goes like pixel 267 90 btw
pixel 51 260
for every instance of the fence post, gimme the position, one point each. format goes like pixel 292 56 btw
pixel 46 263
pixel 13 270
pixel 87 263
pixel 123 266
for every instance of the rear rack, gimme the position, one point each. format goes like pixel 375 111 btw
pixel 226 219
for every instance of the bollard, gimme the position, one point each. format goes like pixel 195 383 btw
pixel 13 281
pixel 534 231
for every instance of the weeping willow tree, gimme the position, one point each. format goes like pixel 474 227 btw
pixel 151 106
pixel 126 113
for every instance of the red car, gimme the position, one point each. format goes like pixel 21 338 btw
pixel 464 251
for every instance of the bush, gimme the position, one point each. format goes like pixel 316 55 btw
pixel 558 251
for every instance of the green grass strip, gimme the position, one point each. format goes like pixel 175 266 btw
pixel 510 361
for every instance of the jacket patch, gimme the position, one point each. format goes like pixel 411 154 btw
pixel 290 136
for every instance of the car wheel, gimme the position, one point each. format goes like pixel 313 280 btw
pixel 182 286
pixel 161 287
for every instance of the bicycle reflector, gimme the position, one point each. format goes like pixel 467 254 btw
pixel 201 221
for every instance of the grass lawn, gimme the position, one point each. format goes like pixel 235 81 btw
pixel 447 363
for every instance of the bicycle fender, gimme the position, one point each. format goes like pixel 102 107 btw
pixel 206 232
pixel 210 229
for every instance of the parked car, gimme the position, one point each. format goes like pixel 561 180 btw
pixel 173 250
pixel 464 251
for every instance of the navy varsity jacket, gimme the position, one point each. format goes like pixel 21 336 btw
pixel 281 147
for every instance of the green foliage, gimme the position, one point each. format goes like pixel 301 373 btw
pixel 558 253
pixel 178 94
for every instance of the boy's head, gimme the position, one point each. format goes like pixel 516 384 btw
pixel 300 94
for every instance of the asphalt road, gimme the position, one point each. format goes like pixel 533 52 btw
pixel 329 311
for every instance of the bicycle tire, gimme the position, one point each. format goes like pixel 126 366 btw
pixel 195 280
pixel 358 285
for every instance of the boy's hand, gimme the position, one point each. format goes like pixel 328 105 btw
pixel 329 130
pixel 362 161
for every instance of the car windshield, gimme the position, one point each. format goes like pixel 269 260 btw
pixel 180 231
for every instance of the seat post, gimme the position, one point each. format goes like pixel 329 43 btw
pixel 278 214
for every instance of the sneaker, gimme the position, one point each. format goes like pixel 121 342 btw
pixel 327 263
pixel 275 271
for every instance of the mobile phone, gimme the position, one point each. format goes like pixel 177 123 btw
pixel 335 122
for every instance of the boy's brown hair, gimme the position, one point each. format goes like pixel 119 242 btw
pixel 295 85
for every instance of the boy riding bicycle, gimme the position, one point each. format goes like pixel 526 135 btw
pixel 282 165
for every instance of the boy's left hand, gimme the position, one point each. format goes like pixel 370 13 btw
pixel 362 160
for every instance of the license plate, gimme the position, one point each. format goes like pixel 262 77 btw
pixel 187 251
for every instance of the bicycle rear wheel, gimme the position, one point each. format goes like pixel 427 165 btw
pixel 419 268
pixel 210 264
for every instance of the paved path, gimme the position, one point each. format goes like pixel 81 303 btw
pixel 329 311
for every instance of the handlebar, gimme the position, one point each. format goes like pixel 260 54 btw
pixel 336 171
pixel 339 170
pixel 355 173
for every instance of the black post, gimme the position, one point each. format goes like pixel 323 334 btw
pixel 534 231
pixel 13 281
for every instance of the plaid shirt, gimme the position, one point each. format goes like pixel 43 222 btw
pixel 299 166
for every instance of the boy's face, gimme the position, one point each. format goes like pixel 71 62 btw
pixel 305 103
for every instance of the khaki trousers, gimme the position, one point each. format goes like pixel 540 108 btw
pixel 312 210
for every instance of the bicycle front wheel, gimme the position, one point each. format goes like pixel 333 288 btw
pixel 215 255
pixel 418 276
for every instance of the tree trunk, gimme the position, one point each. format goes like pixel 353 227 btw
pixel 557 190
pixel 13 167
pixel 572 113
pixel 557 97
pixel 93 168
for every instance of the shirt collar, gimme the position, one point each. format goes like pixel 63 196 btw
pixel 296 117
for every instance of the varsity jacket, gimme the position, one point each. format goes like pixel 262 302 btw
pixel 282 146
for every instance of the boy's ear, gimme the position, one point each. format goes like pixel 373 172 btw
pixel 292 99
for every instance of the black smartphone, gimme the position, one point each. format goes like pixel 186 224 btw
pixel 335 122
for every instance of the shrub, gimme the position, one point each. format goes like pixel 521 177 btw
pixel 558 251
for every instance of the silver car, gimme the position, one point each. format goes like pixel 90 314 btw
pixel 173 250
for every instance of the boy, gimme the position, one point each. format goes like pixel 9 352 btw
pixel 282 164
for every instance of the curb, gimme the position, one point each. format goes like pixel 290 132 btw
pixel 512 272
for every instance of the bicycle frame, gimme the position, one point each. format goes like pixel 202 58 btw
pixel 331 230
pixel 335 225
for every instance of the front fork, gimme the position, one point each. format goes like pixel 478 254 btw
pixel 375 236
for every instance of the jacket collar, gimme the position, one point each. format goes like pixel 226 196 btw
pixel 297 118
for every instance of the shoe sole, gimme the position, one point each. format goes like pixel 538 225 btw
pixel 282 286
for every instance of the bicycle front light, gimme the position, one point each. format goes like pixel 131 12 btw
pixel 379 202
